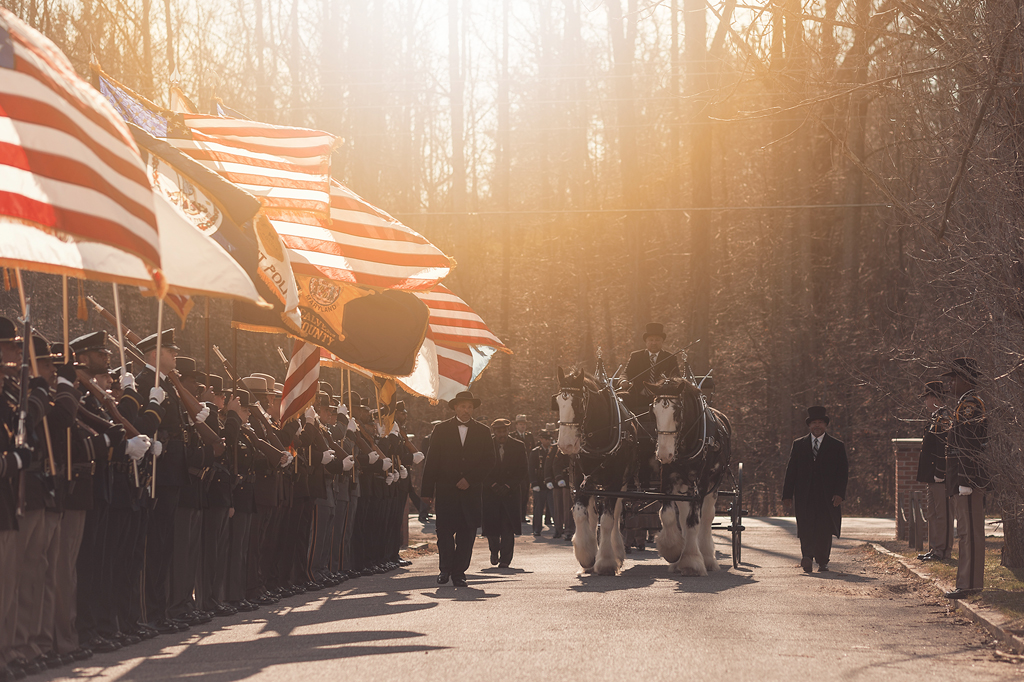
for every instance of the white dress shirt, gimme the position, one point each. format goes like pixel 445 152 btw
pixel 463 430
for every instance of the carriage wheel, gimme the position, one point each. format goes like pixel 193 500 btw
pixel 737 519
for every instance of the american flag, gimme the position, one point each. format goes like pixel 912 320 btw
pixel 302 381
pixel 68 164
pixel 362 245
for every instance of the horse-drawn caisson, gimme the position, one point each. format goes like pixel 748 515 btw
pixel 693 448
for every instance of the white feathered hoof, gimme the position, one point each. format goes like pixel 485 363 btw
pixel 690 564
pixel 584 540
pixel 669 541
pixel 711 563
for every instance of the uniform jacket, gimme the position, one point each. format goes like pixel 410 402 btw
pixel 448 461
pixel 639 370
pixel 932 463
pixel 965 445
pixel 811 482
pixel 502 489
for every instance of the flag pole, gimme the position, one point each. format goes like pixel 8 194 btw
pixel 159 338
pixel 208 342
pixel 67 348
pixel 124 365
pixel 35 369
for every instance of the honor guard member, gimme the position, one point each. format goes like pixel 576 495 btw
pixel 542 497
pixel 12 460
pixel 168 429
pixel 557 477
pixel 219 483
pixel 344 465
pixel 324 504
pixel 967 480
pixel 409 457
pixel 931 470
pixel 522 433
pixel 348 428
pixel 240 455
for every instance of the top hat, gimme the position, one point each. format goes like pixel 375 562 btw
pixel 215 382
pixel 9 331
pixel 461 396
pixel 965 368
pixel 934 388
pixel 255 384
pixel 166 341
pixel 816 412
pixel 186 367
pixel 90 341
pixel 654 329
pixel 501 421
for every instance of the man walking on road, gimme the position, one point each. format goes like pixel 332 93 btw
pixel 461 454
pixel 502 506
pixel 816 480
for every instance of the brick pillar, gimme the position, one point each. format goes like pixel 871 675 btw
pixel 907 451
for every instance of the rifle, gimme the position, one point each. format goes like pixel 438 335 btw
pixel 108 402
pixel 228 368
pixel 190 402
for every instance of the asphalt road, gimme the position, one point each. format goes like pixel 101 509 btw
pixel 541 621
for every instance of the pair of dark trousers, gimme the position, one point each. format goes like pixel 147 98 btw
pixel 504 545
pixel 8 592
pixel 347 558
pixel 940 521
pixel 37 548
pixel 160 551
pixel 72 527
pixel 323 527
pixel 337 537
pixel 236 577
pixel 259 528
pixel 131 607
pixel 970 533
pixel 815 538
pixel 215 557
pixel 542 501
pixel 455 549
pixel 188 529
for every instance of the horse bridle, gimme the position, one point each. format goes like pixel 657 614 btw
pixel 702 419
pixel 568 393
pixel 584 400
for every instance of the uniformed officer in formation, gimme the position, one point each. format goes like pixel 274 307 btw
pixel 931 470
pixel 967 480
pixel 180 500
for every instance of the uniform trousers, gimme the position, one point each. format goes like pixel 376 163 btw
pixel 304 541
pixel 940 521
pixel 215 556
pixel 90 559
pixel 542 503
pixel 337 537
pixel 38 538
pixel 347 558
pixel 188 528
pixel 259 529
pixel 324 510
pixel 361 532
pixel 9 541
pixel 72 526
pixel 129 596
pixel 159 551
pixel 239 534
pixel 970 533
pixel 564 521
pixel 270 558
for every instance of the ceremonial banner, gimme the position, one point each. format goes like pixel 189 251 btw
pixel 68 165
pixel 302 381
pixel 387 401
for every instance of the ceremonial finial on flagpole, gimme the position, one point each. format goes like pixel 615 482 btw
pixel 600 373
pixel 175 76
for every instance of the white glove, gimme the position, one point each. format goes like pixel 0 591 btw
pixel 551 486
pixel 353 425
pixel 342 410
pixel 536 488
pixel 127 381
pixel 417 457
pixel 939 480
pixel 561 484
pixel 348 463
pixel 394 430
pixel 386 463
pixel 157 395
pixel 202 414
pixel 964 490
pixel 328 456
pixel 158 448
pixel 374 457
pixel 310 414
pixel 403 473
pixel 136 447
pixel 288 459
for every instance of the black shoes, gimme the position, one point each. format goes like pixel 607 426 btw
pixel 503 564
pixel 930 556
pixel 807 564
pixel 459 581
pixel 442 578
pixel 823 568
pixel 960 593
pixel 494 557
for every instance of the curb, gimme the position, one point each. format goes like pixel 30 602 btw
pixel 993 621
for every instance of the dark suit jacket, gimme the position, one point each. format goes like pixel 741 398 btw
pixel 448 461
pixel 639 370
pixel 811 482
pixel 502 490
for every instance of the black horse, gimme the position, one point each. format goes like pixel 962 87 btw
pixel 694 450
pixel 596 431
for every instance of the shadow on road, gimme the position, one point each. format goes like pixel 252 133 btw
pixel 641 575
pixel 460 593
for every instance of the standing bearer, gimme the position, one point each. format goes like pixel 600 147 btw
pixel 816 480
pixel 966 478
pixel 931 470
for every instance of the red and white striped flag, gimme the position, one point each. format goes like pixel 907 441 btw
pixel 68 164
pixel 453 322
pixel 362 245
pixel 302 381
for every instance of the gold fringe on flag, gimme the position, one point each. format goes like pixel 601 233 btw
pixel 83 309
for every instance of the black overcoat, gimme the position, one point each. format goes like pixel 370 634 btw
pixel 639 370
pixel 448 461
pixel 811 482
pixel 502 490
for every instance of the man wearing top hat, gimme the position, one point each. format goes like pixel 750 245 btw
pixel 931 470
pixel 816 486
pixel 460 456
pixel 967 480
pixel 647 365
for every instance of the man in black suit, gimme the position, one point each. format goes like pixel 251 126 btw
pixel 816 479
pixel 461 454
pixel 502 504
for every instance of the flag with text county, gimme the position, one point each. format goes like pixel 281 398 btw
pixel 68 164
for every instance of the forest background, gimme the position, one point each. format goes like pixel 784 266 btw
pixel 820 199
